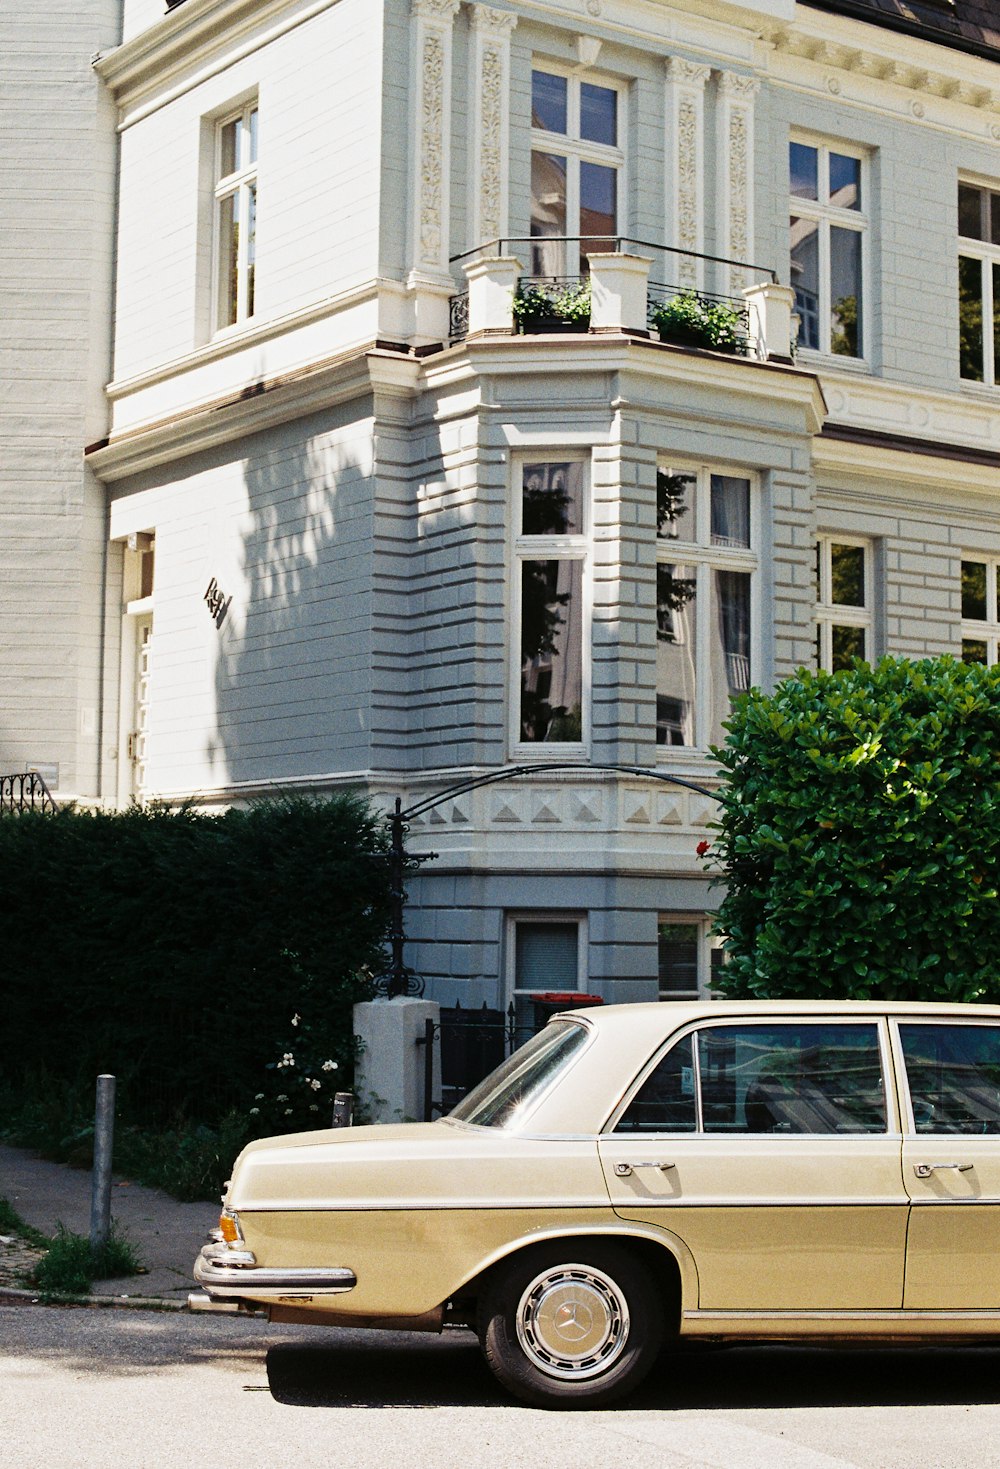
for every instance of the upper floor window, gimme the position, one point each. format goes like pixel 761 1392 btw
pixel 235 216
pixel 844 605
pixel 980 605
pixel 576 165
pixel 827 241
pixel 705 573
pixel 979 283
pixel 551 553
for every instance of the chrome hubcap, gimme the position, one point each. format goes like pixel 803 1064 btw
pixel 572 1322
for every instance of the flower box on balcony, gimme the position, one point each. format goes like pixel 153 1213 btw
pixel 554 307
pixel 688 320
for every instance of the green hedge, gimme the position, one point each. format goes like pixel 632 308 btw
pixel 175 948
pixel 860 835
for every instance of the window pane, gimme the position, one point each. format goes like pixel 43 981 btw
pixel 552 499
pixel 730 650
pixel 252 140
pixel 996 322
pixel 803 166
pixel 954 1077
pixel 598 114
pixel 598 208
pixel 974 590
pixel 548 102
pixel 847 575
pixel 970 212
pixel 229 239
pixel 251 261
pixel 546 956
pixel 551 651
pixel 678 959
pixel 675 506
pixel 973 651
pixel 995 219
pixel 845 181
pixel 508 1092
pixel 227 148
pixel 846 644
pixel 665 1101
pixel 791 1079
pixel 805 278
pixel 970 318
pixel 548 211
pixel 730 511
pixel 845 292
pixel 676 632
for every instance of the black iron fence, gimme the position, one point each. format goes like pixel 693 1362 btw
pixel 25 790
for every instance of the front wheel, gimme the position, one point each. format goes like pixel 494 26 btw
pixel 571 1328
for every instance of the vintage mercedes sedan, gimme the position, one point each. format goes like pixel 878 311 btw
pixel 640 1174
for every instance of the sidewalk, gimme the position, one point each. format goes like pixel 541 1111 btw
pixel 166 1234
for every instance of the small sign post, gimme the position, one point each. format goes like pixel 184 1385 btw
pixel 104 1138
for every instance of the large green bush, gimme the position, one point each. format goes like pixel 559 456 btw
pixel 860 833
pixel 174 948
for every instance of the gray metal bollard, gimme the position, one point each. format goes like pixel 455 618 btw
pixel 104 1139
pixel 343 1109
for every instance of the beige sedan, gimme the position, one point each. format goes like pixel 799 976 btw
pixel 641 1173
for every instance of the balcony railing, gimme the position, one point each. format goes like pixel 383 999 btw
pixel 693 299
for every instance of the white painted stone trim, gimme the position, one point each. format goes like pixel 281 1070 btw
pixel 618 283
pixel 735 174
pixel 490 86
pixel 684 226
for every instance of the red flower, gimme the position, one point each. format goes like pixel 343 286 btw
pixel 702 847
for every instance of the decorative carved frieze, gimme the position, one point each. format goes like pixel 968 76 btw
pixel 684 150
pixel 491 31
pixel 432 21
pixel 735 174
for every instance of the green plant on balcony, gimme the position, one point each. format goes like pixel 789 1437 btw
pixel 690 321
pixel 554 307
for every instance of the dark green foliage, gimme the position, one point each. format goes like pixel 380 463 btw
pixel 860 835
pixel 690 321
pixel 12 1223
pixel 70 1265
pixel 173 947
pixel 537 305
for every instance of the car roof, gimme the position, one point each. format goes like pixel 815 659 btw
pixel 680 1012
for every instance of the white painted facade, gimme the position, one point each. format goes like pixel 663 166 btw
pixel 328 490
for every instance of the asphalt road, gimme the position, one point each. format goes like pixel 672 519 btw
pixel 89 1388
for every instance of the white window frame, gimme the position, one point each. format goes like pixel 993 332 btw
pixel 577 150
pixel 830 614
pixel 825 214
pixel 706 558
pixel 708 944
pixel 577 547
pixel 241 184
pixel 539 916
pixel 988 256
pixel 987 629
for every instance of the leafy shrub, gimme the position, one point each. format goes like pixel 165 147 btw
pixel 535 305
pixel 859 835
pixel 172 947
pixel 691 321
pixel 70 1265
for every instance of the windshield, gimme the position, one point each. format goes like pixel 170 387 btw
pixel 504 1098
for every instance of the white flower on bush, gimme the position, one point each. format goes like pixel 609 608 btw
pixel 315 1085
pixel 287 1059
pixel 288 1111
pixel 314 1108
pixel 282 1098
pixel 259 1097
pixel 329 1066
pixel 296 1019
pixel 254 1111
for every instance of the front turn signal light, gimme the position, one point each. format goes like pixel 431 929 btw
pixel 229 1227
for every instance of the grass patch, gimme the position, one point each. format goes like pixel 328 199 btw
pixel 70 1265
pixel 12 1223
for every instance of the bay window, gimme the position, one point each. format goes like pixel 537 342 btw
pixel 979 284
pixel 827 228
pixel 576 165
pixel 706 564
pixel 551 556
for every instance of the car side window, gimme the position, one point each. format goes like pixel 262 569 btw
pixel 665 1101
pixel 954 1076
pixel 791 1078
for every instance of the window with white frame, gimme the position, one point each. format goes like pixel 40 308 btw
pixel 705 574
pixel 235 216
pixel 576 168
pixel 688 955
pixel 546 961
pixel 979 283
pixel 827 228
pixel 844 605
pixel 551 553
pixel 980 620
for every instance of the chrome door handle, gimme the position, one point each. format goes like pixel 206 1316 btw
pixel 624 1169
pixel 924 1170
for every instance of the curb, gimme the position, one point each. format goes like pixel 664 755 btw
pixel 11 1296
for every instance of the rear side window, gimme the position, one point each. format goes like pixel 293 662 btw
pixel 953 1072
pixel 506 1096
pixel 782 1078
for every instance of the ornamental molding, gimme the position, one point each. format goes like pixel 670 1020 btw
pixel 443 11
pixel 685 114
pixel 735 173
pixel 490 212
pixel 686 73
pixel 486 19
pixel 739 88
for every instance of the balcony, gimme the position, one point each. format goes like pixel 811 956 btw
pixel 623 285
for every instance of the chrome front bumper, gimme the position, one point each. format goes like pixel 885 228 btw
pixel 229 1276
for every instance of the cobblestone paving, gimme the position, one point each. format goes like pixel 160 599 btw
pixel 17 1260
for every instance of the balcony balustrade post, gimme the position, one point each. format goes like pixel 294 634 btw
pixel 618 285
pixel 492 284
pixel 770 310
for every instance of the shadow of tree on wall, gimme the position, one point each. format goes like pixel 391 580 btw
pixel 293 667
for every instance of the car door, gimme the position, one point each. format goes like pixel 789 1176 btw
pixel 951 1162
pixel 772 1149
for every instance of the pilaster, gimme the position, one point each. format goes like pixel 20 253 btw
pixel 735 175
pixel 488 205
pixel 429 278
pixel 685 158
